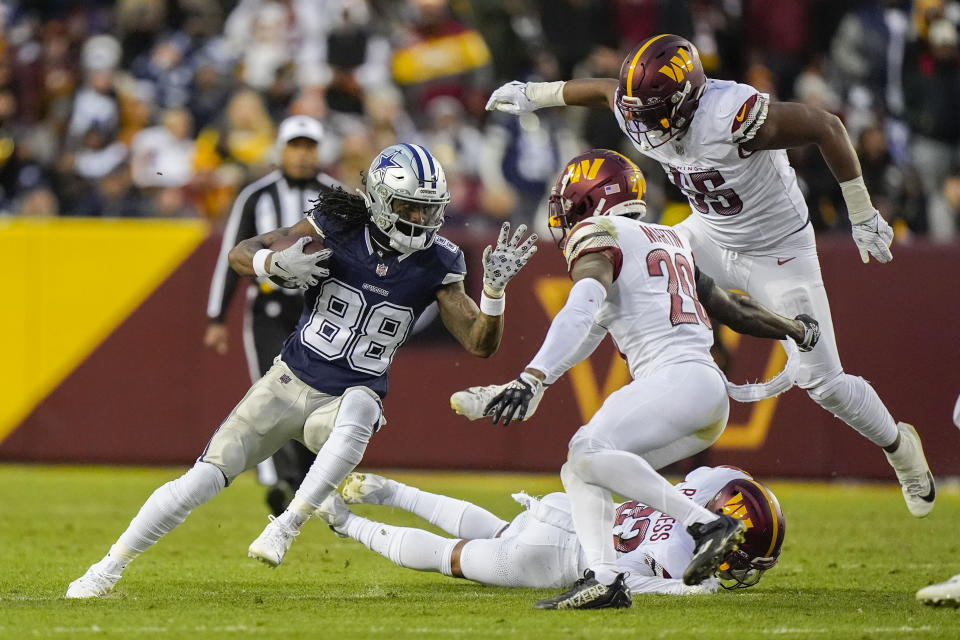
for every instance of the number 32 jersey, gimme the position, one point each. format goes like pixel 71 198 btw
pixel 747 200
pixel 354 321
pixel 653 544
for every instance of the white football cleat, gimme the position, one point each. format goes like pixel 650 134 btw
pixel 943 593
pixel 471 402
pixel 272 543
pixel 367 488
pixel 913 472
pixel 96 582
pixel 334 511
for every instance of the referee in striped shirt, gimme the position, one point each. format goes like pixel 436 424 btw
pixel 279 199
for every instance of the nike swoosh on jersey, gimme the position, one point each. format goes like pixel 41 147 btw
pixel 785 260
pixel 742 114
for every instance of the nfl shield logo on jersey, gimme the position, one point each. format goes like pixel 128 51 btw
pixel 381 269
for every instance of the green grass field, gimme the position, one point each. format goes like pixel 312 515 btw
pixel 852 560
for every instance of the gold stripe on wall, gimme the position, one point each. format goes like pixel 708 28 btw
pixel 68 284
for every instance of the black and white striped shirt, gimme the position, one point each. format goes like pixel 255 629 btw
pixel 271 202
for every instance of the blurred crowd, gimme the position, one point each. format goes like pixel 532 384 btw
pixel 166 108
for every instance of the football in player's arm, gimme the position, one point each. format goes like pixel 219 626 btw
pixel 382 264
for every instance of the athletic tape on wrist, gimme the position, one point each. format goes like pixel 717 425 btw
pixel 492 306
pixel 859 207
pixel 260 262
pixel 545 94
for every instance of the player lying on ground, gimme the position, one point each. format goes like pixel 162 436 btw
pixel 637 282
pixel 723 144
pixel 539 547
pixel 382 265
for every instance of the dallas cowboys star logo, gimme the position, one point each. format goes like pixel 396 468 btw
pixel 385 162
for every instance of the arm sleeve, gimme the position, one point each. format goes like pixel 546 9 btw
pixel 240 225
pixel 570 328
pixel 594 235
pixel 588 346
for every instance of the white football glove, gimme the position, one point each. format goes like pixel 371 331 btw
pixel 873 238
pixel 504 262
pixel 295 266
pixel 495 400
pixel 511 98
pixel 471 402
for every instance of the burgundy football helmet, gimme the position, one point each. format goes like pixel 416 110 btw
pixel 598 182
pixel 755 504
pixel 661 82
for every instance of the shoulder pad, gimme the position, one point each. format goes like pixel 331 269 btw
pixel 735 111
pixel 591 235
pixel 749 117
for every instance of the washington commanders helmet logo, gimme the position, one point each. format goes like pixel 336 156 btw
pixel 735 508
pixel 680 65
pixel 585 169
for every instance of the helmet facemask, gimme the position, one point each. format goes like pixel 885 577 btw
pixel 739 571
pixel 563 213
pixel 656 124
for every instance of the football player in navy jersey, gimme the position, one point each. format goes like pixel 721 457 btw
pixel 382 264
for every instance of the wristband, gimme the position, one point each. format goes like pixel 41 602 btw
pixel 492 306
pixel 260 262
pixel 545 94
pixel 859 207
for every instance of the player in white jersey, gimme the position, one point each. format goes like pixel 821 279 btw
pixel 539 547
pixel 723 144
pixel 637 282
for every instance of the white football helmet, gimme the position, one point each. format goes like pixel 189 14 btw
pixel 406 193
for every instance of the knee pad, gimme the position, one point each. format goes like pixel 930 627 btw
pixel 832 392
pixel 360 408
pixel 581 459
pixel 200 483
pixel 230 456
pixel 357 420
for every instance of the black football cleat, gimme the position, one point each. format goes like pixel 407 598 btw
pixel 712 542
pixel 587 593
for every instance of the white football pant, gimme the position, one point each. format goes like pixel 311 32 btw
pixel 786 278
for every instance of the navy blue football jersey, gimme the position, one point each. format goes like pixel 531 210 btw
pixel 355 320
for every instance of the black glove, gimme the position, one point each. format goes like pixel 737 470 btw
pixel 516 400
pixel 811 332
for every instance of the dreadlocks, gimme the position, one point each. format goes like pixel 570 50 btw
pixel 341 207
